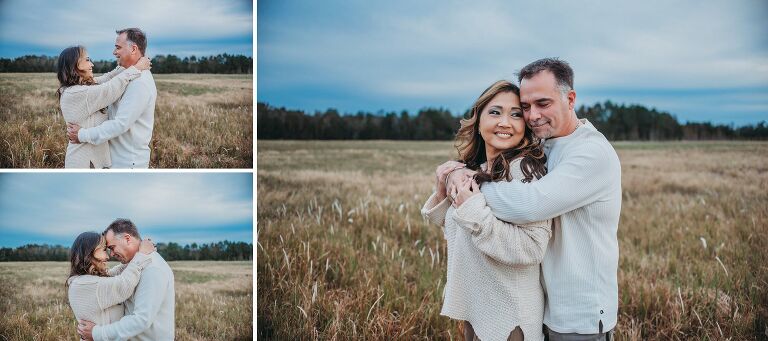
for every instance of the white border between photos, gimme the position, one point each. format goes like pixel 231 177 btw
pixel 253 170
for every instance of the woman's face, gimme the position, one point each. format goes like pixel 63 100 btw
pixel 100 256
pixel 84 65
pixel 501 123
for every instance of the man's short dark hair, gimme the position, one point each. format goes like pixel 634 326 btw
pixel 560 68
pixel 136 36
pixel 123 226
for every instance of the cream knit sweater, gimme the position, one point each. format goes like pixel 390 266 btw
pixel 81 104
pixel 99 299
pixel 493 267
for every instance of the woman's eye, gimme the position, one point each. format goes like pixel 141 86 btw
pixel 517 114
pixel 494 112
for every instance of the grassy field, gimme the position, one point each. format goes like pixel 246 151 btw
pixel 201 121
pixel 344 253
pixel 213 301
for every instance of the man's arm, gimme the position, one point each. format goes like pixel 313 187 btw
pixel 577 181
pixel 132 105
pixel 149 296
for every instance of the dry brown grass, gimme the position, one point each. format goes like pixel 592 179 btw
pixel 201 121
pixel 213 301
pixel 344 253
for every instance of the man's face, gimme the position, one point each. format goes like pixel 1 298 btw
pixel 545 108
pixel 120 246
pixel 125 51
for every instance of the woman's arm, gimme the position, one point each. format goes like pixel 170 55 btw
pixel 435 209
pixel 116 270
pixel 109 75
pixel 102 95
pixel 505 242
pixel 113 290
pixel 437 205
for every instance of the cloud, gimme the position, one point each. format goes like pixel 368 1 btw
pixel 61 205
pixel 56 25
pixel 402 52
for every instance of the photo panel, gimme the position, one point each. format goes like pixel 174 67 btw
pixel 111 248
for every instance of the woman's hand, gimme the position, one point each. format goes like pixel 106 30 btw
pixel 440 173
pixel 466 190
pixel 143 64
pixel 147 246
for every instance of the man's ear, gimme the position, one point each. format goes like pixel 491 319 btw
pixel 571 99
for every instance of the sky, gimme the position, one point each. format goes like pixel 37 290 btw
pixel 700 61
pixel 179 27
pixel 54 208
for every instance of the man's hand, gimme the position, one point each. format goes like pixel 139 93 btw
pixel 72 129
pixel 466 190
pixel 84 329
pixel 456 179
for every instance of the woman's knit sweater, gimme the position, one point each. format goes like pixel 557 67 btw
pixel 99 299
pixel 493 267
pixel 82 104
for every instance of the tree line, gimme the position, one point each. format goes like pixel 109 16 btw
pixel 616 121
pixel 223 250
pixel 221 63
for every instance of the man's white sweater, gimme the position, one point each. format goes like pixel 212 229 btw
pixel 582 192
pixel 130 124
pixel 150 311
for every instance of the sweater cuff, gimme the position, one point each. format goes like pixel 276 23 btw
pixel 141 260
pixel 434 210
pixel 97 333
pixel 83 135
pixel 470 214
pixel 132 72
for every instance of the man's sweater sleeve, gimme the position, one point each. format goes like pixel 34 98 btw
pixel 584 174
pixel 134 102
pixel 148 298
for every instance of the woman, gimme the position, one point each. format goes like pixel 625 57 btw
pixel 493 266
pixel 83 98
pixel 95 293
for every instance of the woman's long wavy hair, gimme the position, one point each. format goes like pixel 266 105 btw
pixel 66 69
pixel 81 255
pixel 471 146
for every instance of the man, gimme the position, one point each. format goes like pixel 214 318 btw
pixel 149 313
pixel 129 128
pixel 581 192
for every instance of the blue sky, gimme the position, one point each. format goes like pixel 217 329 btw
pixel 700 61
pixel 54 208
pixel 179 27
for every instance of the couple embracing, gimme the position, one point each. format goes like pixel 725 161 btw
pixel 109 118
pixel 530 213
pixel 134 300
